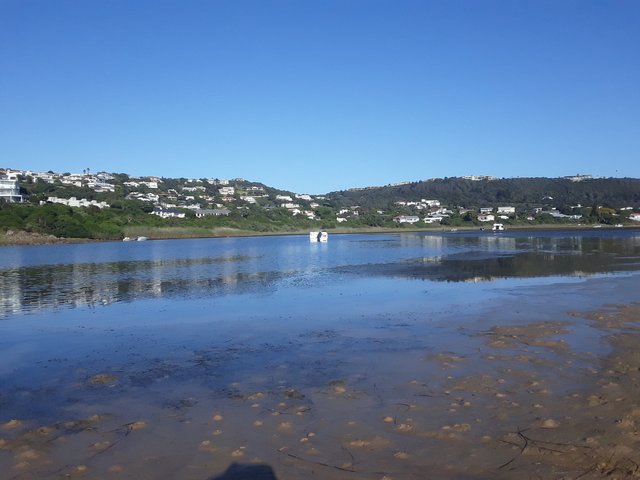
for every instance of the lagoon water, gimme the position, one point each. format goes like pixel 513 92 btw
pixel 179 358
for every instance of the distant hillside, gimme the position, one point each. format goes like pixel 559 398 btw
pixel 518 192
pixel 114 205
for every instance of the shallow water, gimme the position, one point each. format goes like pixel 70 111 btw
pixel 175 359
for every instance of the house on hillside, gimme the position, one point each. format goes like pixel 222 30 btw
pixel 486 218
pixel 506 210
pixel 101 186
pixel 75 202
pixel 168 212
pixel 406 219
pixel 9 190
pixel 216 212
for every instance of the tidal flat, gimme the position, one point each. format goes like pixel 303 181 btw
pixel 411 356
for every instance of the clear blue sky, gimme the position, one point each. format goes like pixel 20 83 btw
pixel 315 96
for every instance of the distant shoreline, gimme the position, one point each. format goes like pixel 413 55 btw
pixel 22 238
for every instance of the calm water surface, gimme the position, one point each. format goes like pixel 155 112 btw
pixel 171 325
pixel 46 278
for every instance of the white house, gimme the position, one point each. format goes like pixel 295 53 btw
pixel 507 210
pixel 101 186
pixel 406 219
pixel 486 218
pixel 74 202
pixel 168 212
pixel 9 190
pixel 635 217
pixel 145 197
pixel 216 212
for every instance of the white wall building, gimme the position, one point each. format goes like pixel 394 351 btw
pixel 9 190
pixel 406 219
pixel 75 202
pixel 507 210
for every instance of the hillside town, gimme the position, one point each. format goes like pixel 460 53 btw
pixel 203 198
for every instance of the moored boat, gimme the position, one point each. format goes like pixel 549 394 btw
pixel 315 237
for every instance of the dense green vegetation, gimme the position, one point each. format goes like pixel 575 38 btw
pixel 518 192
pixel 535 199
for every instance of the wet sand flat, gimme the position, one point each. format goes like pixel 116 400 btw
pixel 512 399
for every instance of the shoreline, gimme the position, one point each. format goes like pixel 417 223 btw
pixel 23 238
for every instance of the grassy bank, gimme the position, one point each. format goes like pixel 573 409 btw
pixel 19 237
pixel 165 233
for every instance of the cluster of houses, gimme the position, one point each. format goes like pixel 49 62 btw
pixel 75 202
pixel 205 197
pixel 219 197
pixel 486 214
pixel 437 213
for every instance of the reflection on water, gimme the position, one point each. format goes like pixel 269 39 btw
pixel 32 288
pixel 73 275
pixel 478 266
pixel 491 257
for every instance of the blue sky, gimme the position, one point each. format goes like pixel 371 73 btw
pixel 315 96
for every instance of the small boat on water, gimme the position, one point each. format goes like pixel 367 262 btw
pixel 134 239
pixel 315 237
pixel 498 227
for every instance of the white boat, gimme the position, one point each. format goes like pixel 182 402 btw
pixel 498 227
pixel 141 239
pixel 127 239
pixel 315 237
